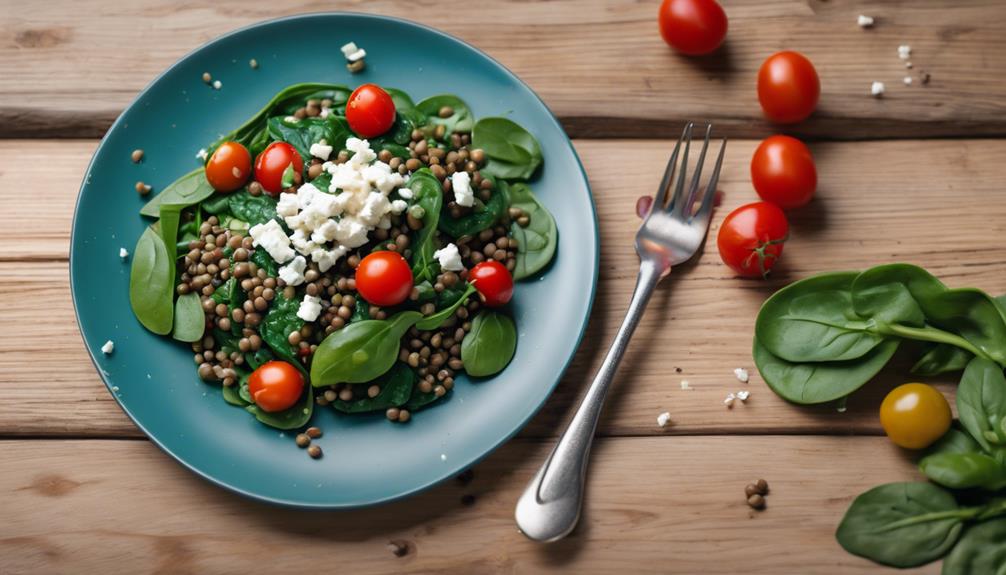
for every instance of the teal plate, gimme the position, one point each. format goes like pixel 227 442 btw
pixel 367 460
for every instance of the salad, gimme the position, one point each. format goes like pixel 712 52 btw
pixel 350 249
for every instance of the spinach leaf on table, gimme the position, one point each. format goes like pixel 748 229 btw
pixel 941 358
pixel 482 216
pixel 427 194
pixel 981 404
pixel 187 190
pixel 490 345
pixel 982 549
pixel 964 470
pixel 513 153
pixel 361 351
pixel 536 243
pixel 434 321
pixel 278 323
pixel 462 120
pixel 396 389
pixel 189 320
pixel 151 283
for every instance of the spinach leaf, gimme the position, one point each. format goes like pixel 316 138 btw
pixel 419 399
pixel 296 416
pixel 902 524
pixel 461 120
pixel 361 351
pixel 512 152
pixel 301 134
pixel 982 549
pixel 232 394
pixel 814 320
pixel 941 358
pixel 535 243
pixel 361 311
pixel 964 470
pixel 981 404
pixel 483 216
pixel 490 345
pixel 434 321
pixel 187 190
pixel 955 440
pixel 252 209
pixel 278 323
pixel 255 359
pixel 819 382
pixel 151 283
pixel 426 193
pixel 396 389
pixel 262 259
pixel 217 204
pixel 190 321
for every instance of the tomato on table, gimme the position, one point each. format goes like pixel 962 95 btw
pixel 915 415
pixel 384 278
pixel 275 386
pixel 692 27
pixel 229 167
pixel 273 162
pixel 493 281
pixel 370 111
pixel 751 238
pixel 788 87
pixel 783 172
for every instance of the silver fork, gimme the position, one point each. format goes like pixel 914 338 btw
pixel 670 235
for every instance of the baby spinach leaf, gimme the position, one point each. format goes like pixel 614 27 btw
pixel 361 311
pixel 461 120
pixel 217 204
pixel 237 394
pixel 955 440
pixel 483 216
pixel 396 389
pixel 361 351
pixel 426 193
pixel 901 524
pixel 255 359
pixel 419 399
pixel 513 153
pixel 252 209
pixel 814 320
pixel 171 214
pixel 262 259
pixel 278 323
pixel 434 321
pixel 296 416
pixel 490 345
pixel 190 321
pixel 941 358
pixel 301 134
pixel 151 283
pixel 981 404
pixel 982 549
pixel 187 190
pixel 535 243
pixel 819 382
pixel 964 470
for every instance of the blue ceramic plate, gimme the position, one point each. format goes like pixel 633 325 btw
pixel 367 460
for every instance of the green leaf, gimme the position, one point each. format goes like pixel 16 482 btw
pixel 252 209
pixel 262 259
pixel 277 325
pixel 396 389
pixel 901 524
pixel 955 440
pixel 982 550
pixel 361 311
pixel 292 418
pixel 187 190
pixel 461 120
pixel 232 394
pixel 512 151
pixel 301 134
pixel 190 320
pixel 964 470
pixel 434 321
pixel 361 351
pixel 427 194
pixel 255 359
pixel 941 358
pixel 483 216
pixel 151 283
pixel 981 403
pixel 490 345
pixel 820 382
pixel 536 243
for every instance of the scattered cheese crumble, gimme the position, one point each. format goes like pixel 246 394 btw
pixel 321 150
pixel 743 395
pixel 357 56
pixel 864 21
pixel 348 48
pixel 904 51
pixel 461 185
pixel 310 308
pixel 729 401
pixel 664 419
pixel 686 385
pixel 877 89
pixel 293 273
pixel 908 80
pixel 742 375
pixel 201 154
pixel 405 193
pixel 217 84
pixel 123 253
pixel 271 237
pixel 449 258
pixel 108 348
pixel 443 457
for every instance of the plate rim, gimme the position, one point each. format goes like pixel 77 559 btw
pixel 454 469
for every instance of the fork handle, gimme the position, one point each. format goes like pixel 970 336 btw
pixel 550 505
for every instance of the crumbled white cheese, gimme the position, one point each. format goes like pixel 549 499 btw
pixel 123 253
pixel 904 51
pixel 461 184
pixel 357 56
pixel 741 374
pixel 877 89
pixel 108 348
pixel 202 154
pixel 271 237
pixel 287 205
pixel 405 193
pixel 443 457
pixel 686 385
pixel 293 272
pixel 399 206
pixel 291 119
pixel 310 308
pixel 908 80
pixel 348 48
pixel 664 419
pixel 864 21
pixel 217 84
pixel 321 150
pixel 324 112
pixel 449 258
pixel 743 395
pixel 729 401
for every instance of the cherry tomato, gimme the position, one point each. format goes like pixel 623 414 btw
pixel 751 238
pixel 275 385
pixel 370 111
pixel 493 281
pixel 788 87
pixel 229 167
pixel 272 162
pixel 915 415
pixel 692 27
pixel 384 278
pixel 783 172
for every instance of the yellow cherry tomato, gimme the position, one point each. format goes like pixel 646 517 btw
pixel 915 415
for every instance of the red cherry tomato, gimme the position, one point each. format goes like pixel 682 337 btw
pixel 229 167
pixel 788 87
pixel 751 238
pixel 493 281
pixel 783 172
pixel 272 162
pixel 275 386
pixel 370 111
pixel 693 27
pixel 384 278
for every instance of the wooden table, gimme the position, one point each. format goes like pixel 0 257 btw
pixel 903 178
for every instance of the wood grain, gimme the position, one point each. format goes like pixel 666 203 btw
pixel 655 506
pixel 931 203
pixel 68 68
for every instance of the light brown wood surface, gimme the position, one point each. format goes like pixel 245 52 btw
pixel 67 68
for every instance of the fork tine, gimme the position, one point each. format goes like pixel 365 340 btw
pixel 679 186
pixel 684 209
pixel 706 209
pixel 661 198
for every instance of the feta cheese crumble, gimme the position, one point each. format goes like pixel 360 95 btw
pixel 293 272
pixel 686 385
pixel 904 51
pixel 742 375
pixel 729 401
pixel 864 21
pixel 123 253
pixel 461 183
pixel 217 84
pixel 321 150
pixel 348 48
pixel 664 419
pixel 310 308
pixel 449 258
pixel 908 80
pixel 108 348
pixel 743 395
pixel 877 89
pixel 405 193
pixel 202 154
pixel 271 237
pixel 357 56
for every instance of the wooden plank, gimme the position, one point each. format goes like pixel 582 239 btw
pixel 879 202
pixel 601 67
pixel 655 506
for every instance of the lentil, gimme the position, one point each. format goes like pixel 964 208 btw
pixel 314 451
pixel 137 156
pixel 302 440
pixel 313 432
